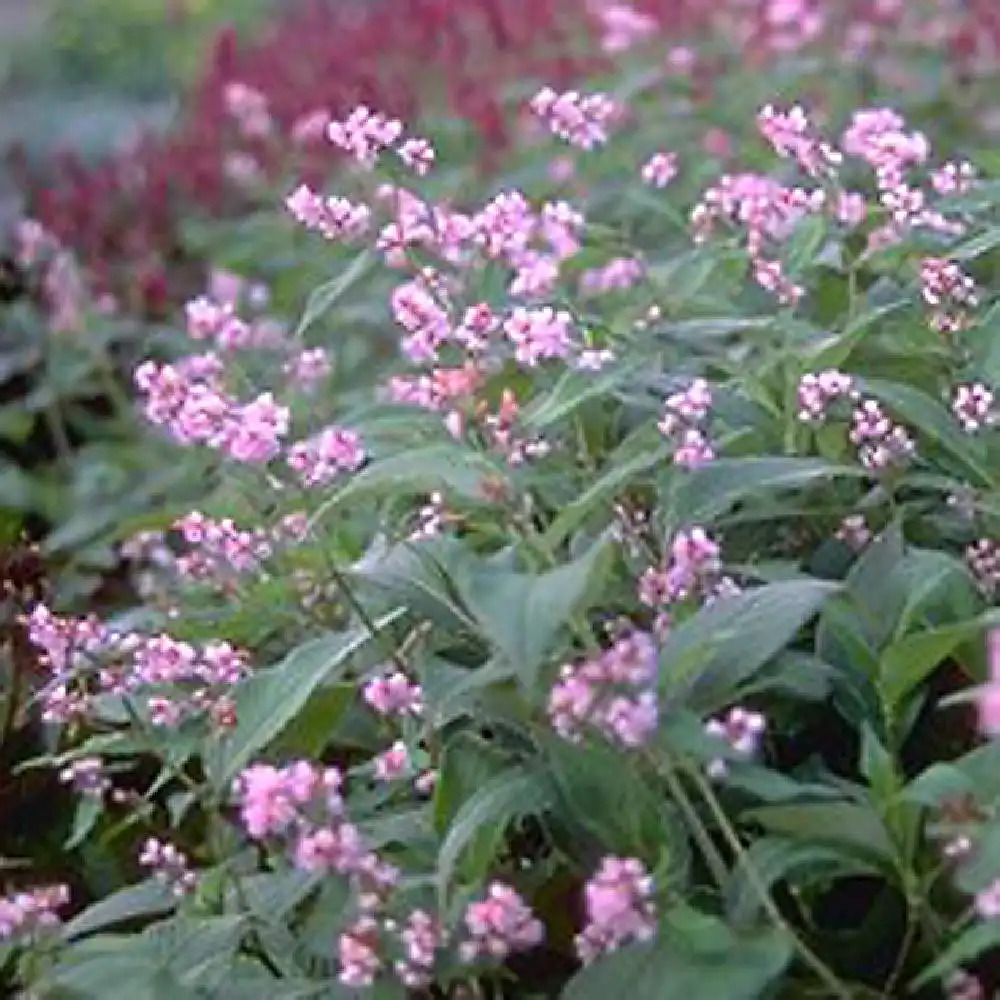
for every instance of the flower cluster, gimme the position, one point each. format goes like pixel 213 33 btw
pixel 499 925
pixel 683 423
pixel 623 27
pixel 881 443
pixel 581 119
pixel 334 218
pixel 26 915
pixel 85 659
pixel 617 274
pixel 190 401
pixel 983 559
pixel 613 693
pixel 394 695
pixel 660 169
pixel 86 776
pixel 817 392
pixel 619 908
pixel 950 291
pixel 741 730
pixel 973 407
pixel 792 136
pixel 320 459
pixel 692 570
pixel 767 211
pixel 169 866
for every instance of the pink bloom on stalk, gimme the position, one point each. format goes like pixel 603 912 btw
pixel 310 127
pixel 623 27
pixel 500 924
pixel 660 169
pixel 619 908
pixel 255 430
pixel 420 937
pixel 248 108
pixel 851 208
pixel 364 134
pixel 332 849
pixel 581 119
pixel 539 334
pixel 418 155
pixel 357 950
pixel 394 695
pixel 989 694
pixel 392 764
pixel 320 459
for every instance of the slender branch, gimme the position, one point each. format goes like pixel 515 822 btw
pixel 809 958
pixel 713 859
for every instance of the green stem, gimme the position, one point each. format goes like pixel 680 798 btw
pixel 713 859
pixel 809 958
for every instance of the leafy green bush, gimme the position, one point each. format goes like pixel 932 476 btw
pixel 620 636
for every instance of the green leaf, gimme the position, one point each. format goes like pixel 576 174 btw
pixel 700 329
pixel 619 474
pixel 446 468
pixel 322 299
pixel 834 351
pixel 573 390
pixel 969 945
pixel 725 643
pixel 694 956
pixel 270 700
pixel 317 723
pixel 777 859
pixel 479 827
pixel 711 490
pixel 619 808
pixel 149 898
pixel 88 812
pixel 522 615
pixel 852 826
pixel 906 663
pixel 976 246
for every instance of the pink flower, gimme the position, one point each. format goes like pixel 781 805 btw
pixel 418 155
pixel 973 407
pixel 358 951
pixel 168 865
pixel 660 169
pixel 248 107
pixel 392 764
pixel 582 120
pixel 421 937
pixel 538 334
pixel 499 925
pixel 364 134
pixel 619 908
pixel 320 459
pixel 742 730
pixel 394 695
pixel 623 27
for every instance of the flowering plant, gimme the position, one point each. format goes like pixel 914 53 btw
pixel 620 634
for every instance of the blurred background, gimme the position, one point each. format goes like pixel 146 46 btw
pixel 90 75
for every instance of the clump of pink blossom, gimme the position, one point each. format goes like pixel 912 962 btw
pixel 619 908
pixel 499 925
pixel 742 730
pixel 613 693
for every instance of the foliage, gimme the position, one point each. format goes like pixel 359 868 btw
pixel 590 574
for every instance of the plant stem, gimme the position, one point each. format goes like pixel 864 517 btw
pixel 822 971
pixel 713 859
